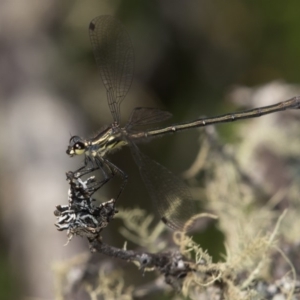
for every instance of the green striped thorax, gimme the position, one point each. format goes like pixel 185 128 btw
pixel 107 140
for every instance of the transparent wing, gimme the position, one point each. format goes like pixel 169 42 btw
pixel 170 196
pixel 145 115
pixel 114 56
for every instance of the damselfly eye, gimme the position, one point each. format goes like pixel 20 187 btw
pixel 79 146
pixel 76 146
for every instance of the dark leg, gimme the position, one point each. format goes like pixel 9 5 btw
pixel 98 163
pixel 115 170
pixel 86 169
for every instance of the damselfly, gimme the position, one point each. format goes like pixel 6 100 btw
pixel 114 55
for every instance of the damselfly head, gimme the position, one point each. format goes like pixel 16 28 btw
pixel 77 146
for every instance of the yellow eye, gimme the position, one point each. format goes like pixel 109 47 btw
pixel 79 151
pixel 79 148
